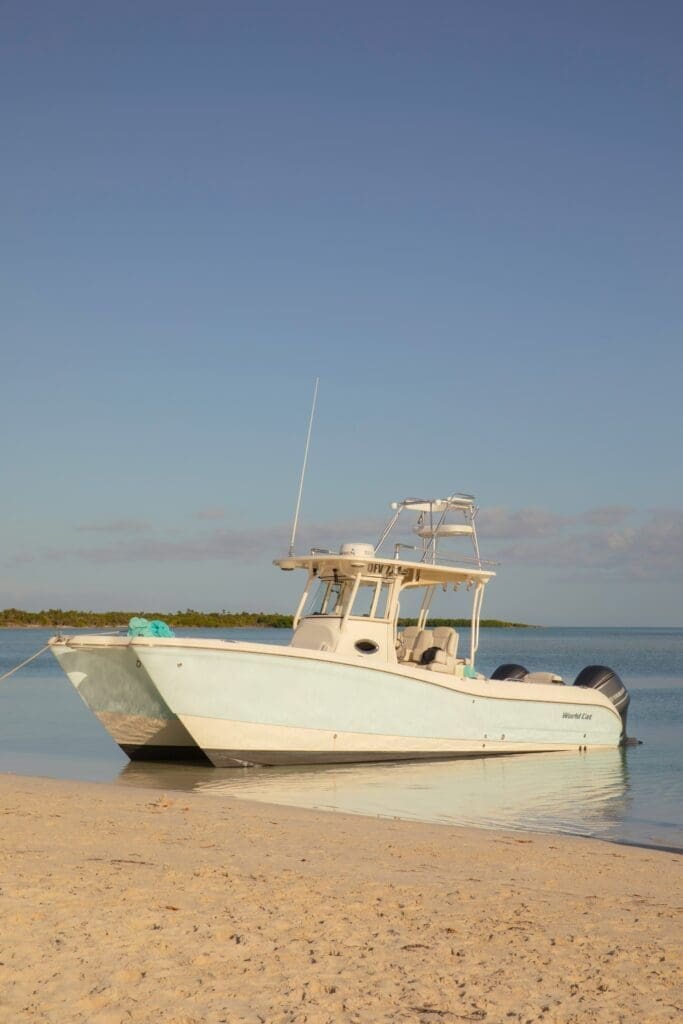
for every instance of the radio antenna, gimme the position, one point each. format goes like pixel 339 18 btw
pixel 303 469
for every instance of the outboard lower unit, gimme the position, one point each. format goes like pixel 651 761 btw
pixel 599 677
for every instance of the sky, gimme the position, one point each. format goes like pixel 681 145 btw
pixel 464 218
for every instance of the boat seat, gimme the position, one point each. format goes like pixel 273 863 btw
pixel 424 639
pixel 446 638
pixel 442 656
pixel 547 678
pixel 442 662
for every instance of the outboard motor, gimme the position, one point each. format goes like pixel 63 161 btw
pixel 510 671
pixel 599 677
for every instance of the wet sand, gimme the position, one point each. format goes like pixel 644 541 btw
pixel 127 905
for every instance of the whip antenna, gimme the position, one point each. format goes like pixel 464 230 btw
pixel 303 469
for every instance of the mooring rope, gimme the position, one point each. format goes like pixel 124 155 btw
pixel 28 660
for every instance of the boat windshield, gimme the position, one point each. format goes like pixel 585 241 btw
pixel 326 599
pixel 371 600
pixel 331 597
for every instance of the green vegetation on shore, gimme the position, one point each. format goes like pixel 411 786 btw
pixel 54 617
pixel 111 620
pixel 460 623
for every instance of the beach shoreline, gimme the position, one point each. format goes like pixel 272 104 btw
pixel 126 904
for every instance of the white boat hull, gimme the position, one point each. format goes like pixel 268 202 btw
pixel 108 676
pixel 264 704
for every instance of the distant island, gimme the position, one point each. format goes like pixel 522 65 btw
pixel 55 617
pixel 460 623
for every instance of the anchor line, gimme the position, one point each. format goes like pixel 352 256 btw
pixel 27 662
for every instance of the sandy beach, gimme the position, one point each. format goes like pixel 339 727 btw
pixel 121 905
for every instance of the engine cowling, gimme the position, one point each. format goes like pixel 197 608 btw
pixel 604 679
pixel 510 671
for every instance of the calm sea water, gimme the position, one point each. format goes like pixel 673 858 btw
pixel 633 795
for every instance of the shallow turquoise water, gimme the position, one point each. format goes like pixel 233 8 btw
pixel 632 795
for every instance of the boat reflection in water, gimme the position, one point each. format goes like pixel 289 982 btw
pixel 577 793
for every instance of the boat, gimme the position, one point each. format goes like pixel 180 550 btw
pixel 352 685
pixel 108 675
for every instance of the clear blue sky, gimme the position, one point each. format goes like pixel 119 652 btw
pixel 464 217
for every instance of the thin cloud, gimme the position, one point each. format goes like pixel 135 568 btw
pixel 606 515
pixel 116 526
pixel 230 545
pixel 501 522
pixel 650 549
pixel 645 548
pixel 210 513
pixel 21 559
